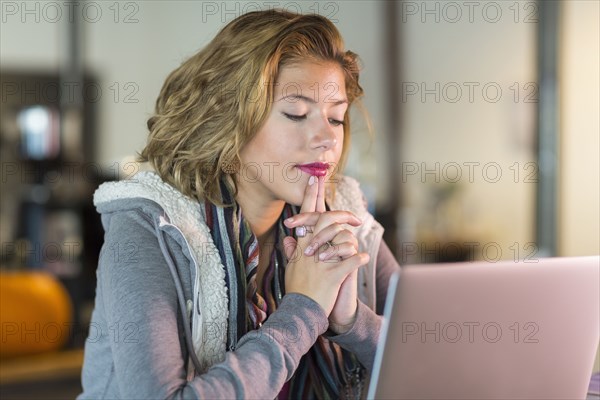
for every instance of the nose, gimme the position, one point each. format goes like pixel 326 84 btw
pixel 324 137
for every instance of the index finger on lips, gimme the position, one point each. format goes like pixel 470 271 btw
pixel 307 206
pixel 320 207
pixel 310 196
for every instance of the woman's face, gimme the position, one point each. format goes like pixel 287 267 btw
pixel 302 136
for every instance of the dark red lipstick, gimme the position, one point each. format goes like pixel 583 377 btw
pixel 315 169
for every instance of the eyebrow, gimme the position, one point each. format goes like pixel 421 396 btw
pixel 312 101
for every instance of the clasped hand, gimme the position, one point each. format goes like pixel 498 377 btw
pixel 323 264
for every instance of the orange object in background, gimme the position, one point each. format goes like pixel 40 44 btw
pixel 35 313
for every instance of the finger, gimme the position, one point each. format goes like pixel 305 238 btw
pixel 334 232
pixel 327 218
pixel 350 279
pixel 338 252
pixel 320 206
pixel 308 205
pixel 351 264
pixel 310 195
pixel 289 246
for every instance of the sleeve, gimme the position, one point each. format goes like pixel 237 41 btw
pixel 362 338
pixel 138 292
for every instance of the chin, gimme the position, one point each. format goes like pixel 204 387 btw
pixel 294 198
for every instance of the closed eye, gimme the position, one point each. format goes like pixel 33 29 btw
pixel 295 118
pixel 298 118
pixel 335 122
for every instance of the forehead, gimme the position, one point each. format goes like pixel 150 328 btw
pixel 312 79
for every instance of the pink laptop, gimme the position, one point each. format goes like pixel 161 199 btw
pixel 480 330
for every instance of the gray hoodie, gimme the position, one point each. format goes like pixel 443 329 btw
pixel 158 328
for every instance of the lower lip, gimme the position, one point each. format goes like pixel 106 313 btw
pixel 314 171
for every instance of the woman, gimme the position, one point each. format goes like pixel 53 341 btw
pixel 242 265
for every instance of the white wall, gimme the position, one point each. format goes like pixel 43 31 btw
pixel 29 41
pixel 479 134
pixel 579 202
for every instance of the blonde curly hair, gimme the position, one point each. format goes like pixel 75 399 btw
pixel 212 105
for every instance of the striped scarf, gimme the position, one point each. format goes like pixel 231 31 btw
pixel 327 371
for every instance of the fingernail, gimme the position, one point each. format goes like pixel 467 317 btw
pixel 324 255
pixel 308 250
pixel 311 180
pixel 289 220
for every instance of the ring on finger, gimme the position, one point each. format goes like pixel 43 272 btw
pixel 327 251
pixel 302 230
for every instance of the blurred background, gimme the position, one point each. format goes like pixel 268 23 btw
pixel 485 147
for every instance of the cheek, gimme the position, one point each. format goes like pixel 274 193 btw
pixel 287 150
pixel 281 138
